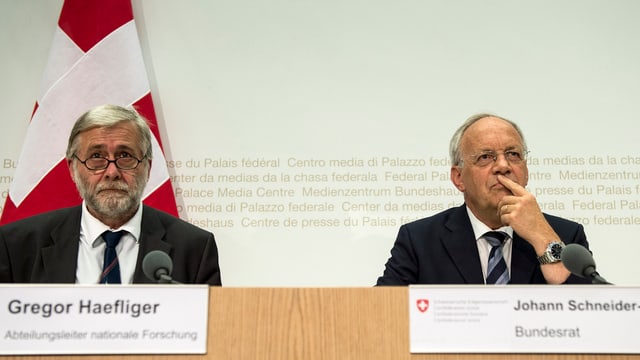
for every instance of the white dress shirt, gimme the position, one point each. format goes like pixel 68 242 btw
pixel 92 246
pixel 484 248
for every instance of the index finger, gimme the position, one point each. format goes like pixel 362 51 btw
pixel 516 189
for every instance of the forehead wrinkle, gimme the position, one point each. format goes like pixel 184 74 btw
pixel 506 148
pixel 104 148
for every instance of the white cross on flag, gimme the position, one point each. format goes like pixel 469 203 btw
pixel 95 59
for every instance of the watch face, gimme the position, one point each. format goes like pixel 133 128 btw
pixel 556 251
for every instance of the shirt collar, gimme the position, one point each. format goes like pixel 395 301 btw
pixel 479 228
pixel 93 228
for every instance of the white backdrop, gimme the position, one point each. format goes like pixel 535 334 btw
pixel 303 133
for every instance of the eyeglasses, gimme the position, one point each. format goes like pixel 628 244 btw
pixel 101 163
pixel 489 157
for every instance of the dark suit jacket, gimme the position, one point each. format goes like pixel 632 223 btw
pixel 44 248
pixel 442 249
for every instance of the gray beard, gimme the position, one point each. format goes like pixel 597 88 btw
pixel 120 206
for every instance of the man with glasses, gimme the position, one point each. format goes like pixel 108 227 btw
pixel 105 239
pixel 499 235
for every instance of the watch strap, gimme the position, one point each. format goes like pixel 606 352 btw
pixel 546 258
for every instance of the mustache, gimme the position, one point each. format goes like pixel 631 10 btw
pixel 112 186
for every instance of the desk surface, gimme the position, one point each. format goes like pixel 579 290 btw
pixel 315 323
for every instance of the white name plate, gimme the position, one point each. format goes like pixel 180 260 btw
pixel 121 319
pixel 524 319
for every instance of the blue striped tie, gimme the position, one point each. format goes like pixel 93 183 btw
pixel 111 268
pixel 497 272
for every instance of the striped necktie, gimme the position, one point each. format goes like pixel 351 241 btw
pixel 497 272
pixel 111 268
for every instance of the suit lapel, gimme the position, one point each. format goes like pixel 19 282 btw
pixel 152 236
pixel 461 246
pixel 463 250
pixel 60 259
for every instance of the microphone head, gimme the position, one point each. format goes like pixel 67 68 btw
pixel 156 263
pixel 577 259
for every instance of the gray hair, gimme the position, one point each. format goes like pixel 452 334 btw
pixel 109 116
pixel 454 144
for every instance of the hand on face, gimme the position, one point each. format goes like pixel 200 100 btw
pixel 519 210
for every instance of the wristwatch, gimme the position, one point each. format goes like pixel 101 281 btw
pixel 552 254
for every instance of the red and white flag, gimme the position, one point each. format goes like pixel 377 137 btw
pixel 95 59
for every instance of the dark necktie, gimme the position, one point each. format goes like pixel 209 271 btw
pixel 111 268
pixel 497 272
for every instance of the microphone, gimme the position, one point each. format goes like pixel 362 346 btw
pixel 577 259
pixel 157 266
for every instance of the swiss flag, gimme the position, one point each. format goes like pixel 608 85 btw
pixel 95 59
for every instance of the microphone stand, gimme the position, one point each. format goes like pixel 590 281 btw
pixel 598 280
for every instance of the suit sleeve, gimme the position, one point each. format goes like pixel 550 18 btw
pixel 209 269
pixel 5 268
pixel 402 266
